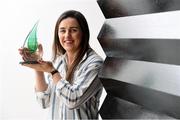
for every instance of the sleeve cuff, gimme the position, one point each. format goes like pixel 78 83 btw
pixel 43 94
pixel 61 84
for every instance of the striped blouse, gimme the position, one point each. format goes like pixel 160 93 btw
pixel 78 100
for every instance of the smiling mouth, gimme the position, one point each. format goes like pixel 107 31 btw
pixel 68 41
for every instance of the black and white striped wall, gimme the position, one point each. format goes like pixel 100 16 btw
pixel 141 73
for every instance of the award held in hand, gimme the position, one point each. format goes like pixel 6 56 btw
pixel 32 52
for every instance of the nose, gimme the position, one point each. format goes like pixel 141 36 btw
pixel 68 34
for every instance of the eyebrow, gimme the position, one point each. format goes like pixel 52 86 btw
pixel 70 27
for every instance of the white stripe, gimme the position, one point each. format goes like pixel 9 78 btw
pixel 157 25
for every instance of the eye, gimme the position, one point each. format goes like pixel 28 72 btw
pixel 74 30
pixel 62 31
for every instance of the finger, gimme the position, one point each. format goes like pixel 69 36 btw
pixel 40 49
pixel 23 58
pixel 20 51
pixel 40 61
pixel 27 55
pixel 33 66
pixel 37 67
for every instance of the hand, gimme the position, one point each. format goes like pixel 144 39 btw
pixel 28 56
pixel 43 66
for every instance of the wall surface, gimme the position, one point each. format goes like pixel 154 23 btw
pixel 17 98
pixel 141 71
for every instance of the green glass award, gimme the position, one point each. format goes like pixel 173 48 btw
pixel 32 39
pixel 32 52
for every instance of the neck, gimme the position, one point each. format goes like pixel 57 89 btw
pixel 71 56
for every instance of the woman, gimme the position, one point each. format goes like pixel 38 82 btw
pixel 73 90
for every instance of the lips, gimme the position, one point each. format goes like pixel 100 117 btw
pixel 68 41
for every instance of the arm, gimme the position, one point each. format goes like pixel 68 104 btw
pixel 42 90
pixel 40 83
pixel 72 95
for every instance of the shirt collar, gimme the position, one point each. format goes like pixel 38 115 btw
pixel 84 57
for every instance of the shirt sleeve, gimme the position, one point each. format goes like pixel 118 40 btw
pixel 72 94
pixel 43 98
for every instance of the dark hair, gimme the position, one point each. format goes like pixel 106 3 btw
pixel 59 50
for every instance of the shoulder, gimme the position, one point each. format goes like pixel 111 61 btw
pixel 93 56
pixel 92 59
pixel 59 60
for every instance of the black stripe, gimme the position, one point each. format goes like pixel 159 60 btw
pixel 69 99
pixel 151 50
pixel 154 100
pixel 120 8
pixel 43 103
pixel 53 105
pixel 59 64
pixel 79 113
pixel 87 109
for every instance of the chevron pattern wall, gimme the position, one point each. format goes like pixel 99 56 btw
pixel 141 73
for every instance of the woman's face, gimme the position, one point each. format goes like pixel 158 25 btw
pixel 70 34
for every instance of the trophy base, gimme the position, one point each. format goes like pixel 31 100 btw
pixel 29 62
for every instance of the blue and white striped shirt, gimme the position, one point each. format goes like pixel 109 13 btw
pixel 79 100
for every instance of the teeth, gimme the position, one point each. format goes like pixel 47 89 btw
pixel 68 41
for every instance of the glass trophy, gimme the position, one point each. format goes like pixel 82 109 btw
pixel 32 52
